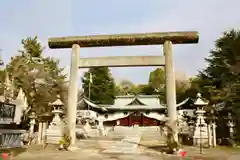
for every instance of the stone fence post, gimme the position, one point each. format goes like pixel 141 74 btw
pixel 40 125
pixel 33 118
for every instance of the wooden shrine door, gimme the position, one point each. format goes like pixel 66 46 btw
pixel 135 119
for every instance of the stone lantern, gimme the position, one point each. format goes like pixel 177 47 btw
pixel 54 132
pixel 201 129
pixel 57 110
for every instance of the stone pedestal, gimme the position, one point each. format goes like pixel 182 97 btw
pixel 201 130
pixel 54 132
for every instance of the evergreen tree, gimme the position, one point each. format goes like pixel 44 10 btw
pixel 20 69
pixel 126 87
pixel 157 79
pixel 218 79
pixel 157 85
pixel 102 86
pixel 145 89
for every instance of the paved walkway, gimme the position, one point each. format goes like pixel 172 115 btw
pixel 127 145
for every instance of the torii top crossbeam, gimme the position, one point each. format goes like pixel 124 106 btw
pixel 124 39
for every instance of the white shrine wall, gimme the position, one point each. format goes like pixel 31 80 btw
pixel 155 115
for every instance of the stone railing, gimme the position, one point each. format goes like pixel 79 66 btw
pixel 10 138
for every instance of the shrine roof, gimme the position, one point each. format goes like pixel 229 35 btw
pixel 131 102
pixel 147 100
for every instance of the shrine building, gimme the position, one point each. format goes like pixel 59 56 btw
pixel 141 110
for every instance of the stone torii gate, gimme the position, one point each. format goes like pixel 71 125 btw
pixel 165 38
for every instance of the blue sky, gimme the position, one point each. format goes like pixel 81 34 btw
pixel 46 18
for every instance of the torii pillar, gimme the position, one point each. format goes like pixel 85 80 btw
pixel 73 92
pixel 170 87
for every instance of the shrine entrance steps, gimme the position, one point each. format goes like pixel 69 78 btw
pixel 127 140
pixel 148 132
pixel 120 132
pixel 134 139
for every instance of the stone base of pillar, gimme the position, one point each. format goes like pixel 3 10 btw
pixel 73 148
